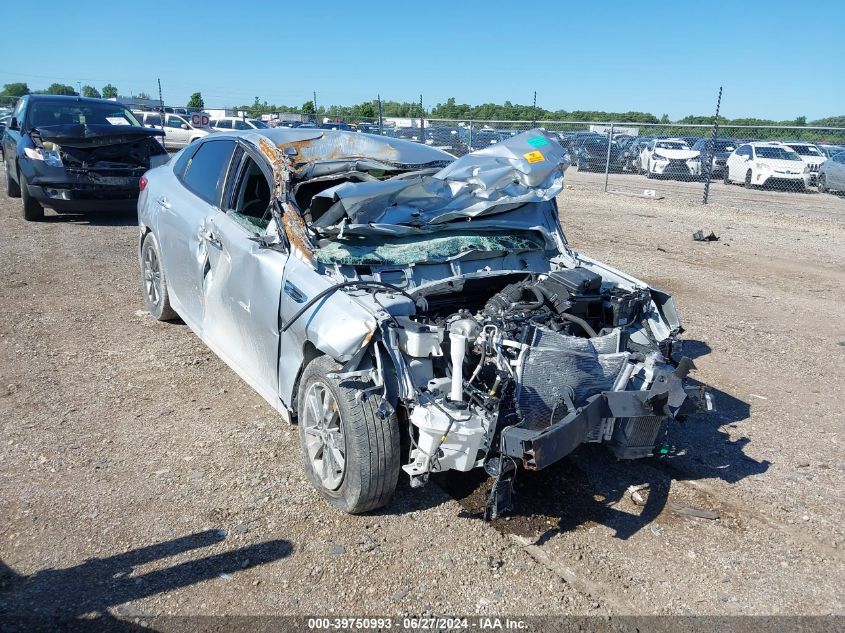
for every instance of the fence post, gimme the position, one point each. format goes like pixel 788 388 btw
pixel 469 145
pixel 607 162
pixel 712 149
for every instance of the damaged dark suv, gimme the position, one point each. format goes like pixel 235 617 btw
pixel 75 154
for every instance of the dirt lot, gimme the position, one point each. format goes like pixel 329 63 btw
pixel 140 476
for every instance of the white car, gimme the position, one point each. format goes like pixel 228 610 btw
pixel 767 163
pixel 670 157
pixel 178 130
pixel 811 154
pixel 229 123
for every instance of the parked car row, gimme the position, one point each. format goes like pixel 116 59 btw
pixel 782 164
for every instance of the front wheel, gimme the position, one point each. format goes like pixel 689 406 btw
pixel 32 209
pixel 726 178
pixel 821 184
pixel 748 184
pixel 351 455
pixel 153 281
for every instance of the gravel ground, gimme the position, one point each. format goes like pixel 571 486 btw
pixel 139 476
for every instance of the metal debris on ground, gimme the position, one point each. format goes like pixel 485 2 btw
pixel 690 511
pixel 636 496
pixel 699 236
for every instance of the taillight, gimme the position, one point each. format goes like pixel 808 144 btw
pixel 142 184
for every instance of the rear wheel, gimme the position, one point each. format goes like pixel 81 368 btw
pixel 351 455
pixel 153 281
pixel 32 210
pixel 13 189
pixel 748 184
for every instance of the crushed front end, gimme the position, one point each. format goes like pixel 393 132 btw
pixel 495 344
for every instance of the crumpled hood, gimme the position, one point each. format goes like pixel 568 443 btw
pixel 677 154
pixel 82 135
pixel 523 169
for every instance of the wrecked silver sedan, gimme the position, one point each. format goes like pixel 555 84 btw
pixel 373 288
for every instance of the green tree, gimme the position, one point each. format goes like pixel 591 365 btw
pixel 196 101
pixel 142 95
pixel 17 89
pixel 109 92
pixel 90 91
pixel 800 120
pixel 61 89
pixel 308 108
pixel 365 110
pixel 664 118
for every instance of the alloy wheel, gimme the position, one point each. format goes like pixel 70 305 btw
pixel 324 441
pixel 152 276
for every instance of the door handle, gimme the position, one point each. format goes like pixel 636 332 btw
pixel 164 202
pixel 208 236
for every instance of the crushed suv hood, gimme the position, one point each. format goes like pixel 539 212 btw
pixel 81 135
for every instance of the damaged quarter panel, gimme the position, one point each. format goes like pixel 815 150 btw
pixel 367 284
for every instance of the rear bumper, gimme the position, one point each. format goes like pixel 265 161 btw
pixel 629 422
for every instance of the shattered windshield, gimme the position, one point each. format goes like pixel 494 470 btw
pixel 402 251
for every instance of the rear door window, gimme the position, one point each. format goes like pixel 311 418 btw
pixel 225 124
pixel 206 172
pixel 241 125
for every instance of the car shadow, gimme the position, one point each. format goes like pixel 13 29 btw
pixel 591 486
pixel 695 349
pixel 95 218
pixel 78 598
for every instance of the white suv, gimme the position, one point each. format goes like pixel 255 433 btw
pixel 229 123
pixel 762 163
pixel 812 156
pixel 178 131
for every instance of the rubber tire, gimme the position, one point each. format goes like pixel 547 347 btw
pixel 726 177
pixel 13 189
pixel 649 174
pixel 372 444
pixel 32 209
pixel 820 183
pixel 163 311
pixel 748 183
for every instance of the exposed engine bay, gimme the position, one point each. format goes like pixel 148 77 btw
pixel 100 154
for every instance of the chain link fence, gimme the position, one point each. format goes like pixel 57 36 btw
pixel 803 166
pixel 799 166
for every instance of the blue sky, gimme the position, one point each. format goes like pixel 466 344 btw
pixel 776 59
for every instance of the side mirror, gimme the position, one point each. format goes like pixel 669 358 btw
pixel 184 126
pixel 13 123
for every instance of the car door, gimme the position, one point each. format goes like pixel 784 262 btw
pixel 11 136
pixel 179 135
pixel 836 172
pixel 242 282
pixel 182 228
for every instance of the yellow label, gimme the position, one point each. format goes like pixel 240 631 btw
pixel 534 157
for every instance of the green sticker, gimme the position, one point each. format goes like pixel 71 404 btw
pixel 537 141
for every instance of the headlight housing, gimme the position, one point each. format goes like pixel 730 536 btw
pixel 807 169
pixel 658 157
pixel 50 156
